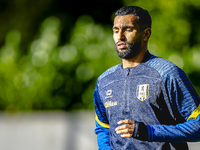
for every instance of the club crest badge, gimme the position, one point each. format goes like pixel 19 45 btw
pixel 142 91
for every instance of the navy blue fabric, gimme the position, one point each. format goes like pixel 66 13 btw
pixel 156 93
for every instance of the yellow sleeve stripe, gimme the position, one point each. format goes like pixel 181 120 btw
pixel 101 123
pixel 195 113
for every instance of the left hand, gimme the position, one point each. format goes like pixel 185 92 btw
pixel 127 128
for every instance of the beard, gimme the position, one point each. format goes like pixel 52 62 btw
pixel 132 50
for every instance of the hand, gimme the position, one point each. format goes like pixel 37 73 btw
pixel 127 128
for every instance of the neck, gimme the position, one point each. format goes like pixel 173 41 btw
pixel 133 62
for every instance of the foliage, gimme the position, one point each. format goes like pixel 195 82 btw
pixel 52 76
pixel 63 76
pixel 175 33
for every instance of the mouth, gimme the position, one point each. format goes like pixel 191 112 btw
pixel 121 46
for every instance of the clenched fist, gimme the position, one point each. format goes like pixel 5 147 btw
pixel 127 127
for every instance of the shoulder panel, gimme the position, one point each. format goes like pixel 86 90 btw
pixel 109 71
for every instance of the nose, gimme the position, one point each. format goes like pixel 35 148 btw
pixel 121 36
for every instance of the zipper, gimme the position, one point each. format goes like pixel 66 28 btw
pixel 126 88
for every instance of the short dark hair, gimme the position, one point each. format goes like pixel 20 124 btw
pixel 143 16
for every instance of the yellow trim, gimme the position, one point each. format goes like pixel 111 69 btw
pixel 195 113
pixel 101 123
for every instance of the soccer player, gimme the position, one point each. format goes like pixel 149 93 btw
pixel 147 102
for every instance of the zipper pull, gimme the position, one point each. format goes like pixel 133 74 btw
pixel 128 70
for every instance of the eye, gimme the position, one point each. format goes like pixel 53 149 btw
pixel 115 31
pixel 129 29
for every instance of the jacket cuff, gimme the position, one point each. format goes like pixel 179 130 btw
pixel 140 131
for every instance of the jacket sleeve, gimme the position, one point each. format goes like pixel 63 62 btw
pixel 183 98
pixel 102 124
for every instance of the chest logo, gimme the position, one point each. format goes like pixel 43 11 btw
pixel 109 104
pixel 142 91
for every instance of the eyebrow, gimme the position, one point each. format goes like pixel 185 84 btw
pixel 126 26
pixel 115 27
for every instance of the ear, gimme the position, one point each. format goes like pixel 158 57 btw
pixel 147 34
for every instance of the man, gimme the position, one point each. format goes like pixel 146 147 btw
pixel 146 102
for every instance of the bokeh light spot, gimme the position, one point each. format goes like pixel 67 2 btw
pixel 39 58
pixel 84 72
pixel 176 59
pixel 93 51
pixel 68 53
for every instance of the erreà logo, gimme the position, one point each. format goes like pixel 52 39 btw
pixel 142 91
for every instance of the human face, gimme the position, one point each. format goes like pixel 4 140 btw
pixel 127 36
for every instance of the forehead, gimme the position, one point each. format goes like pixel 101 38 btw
pixel 125 20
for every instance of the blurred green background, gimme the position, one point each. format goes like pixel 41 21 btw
pixel 52 51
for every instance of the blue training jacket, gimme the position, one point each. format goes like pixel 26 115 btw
pixel 157 95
